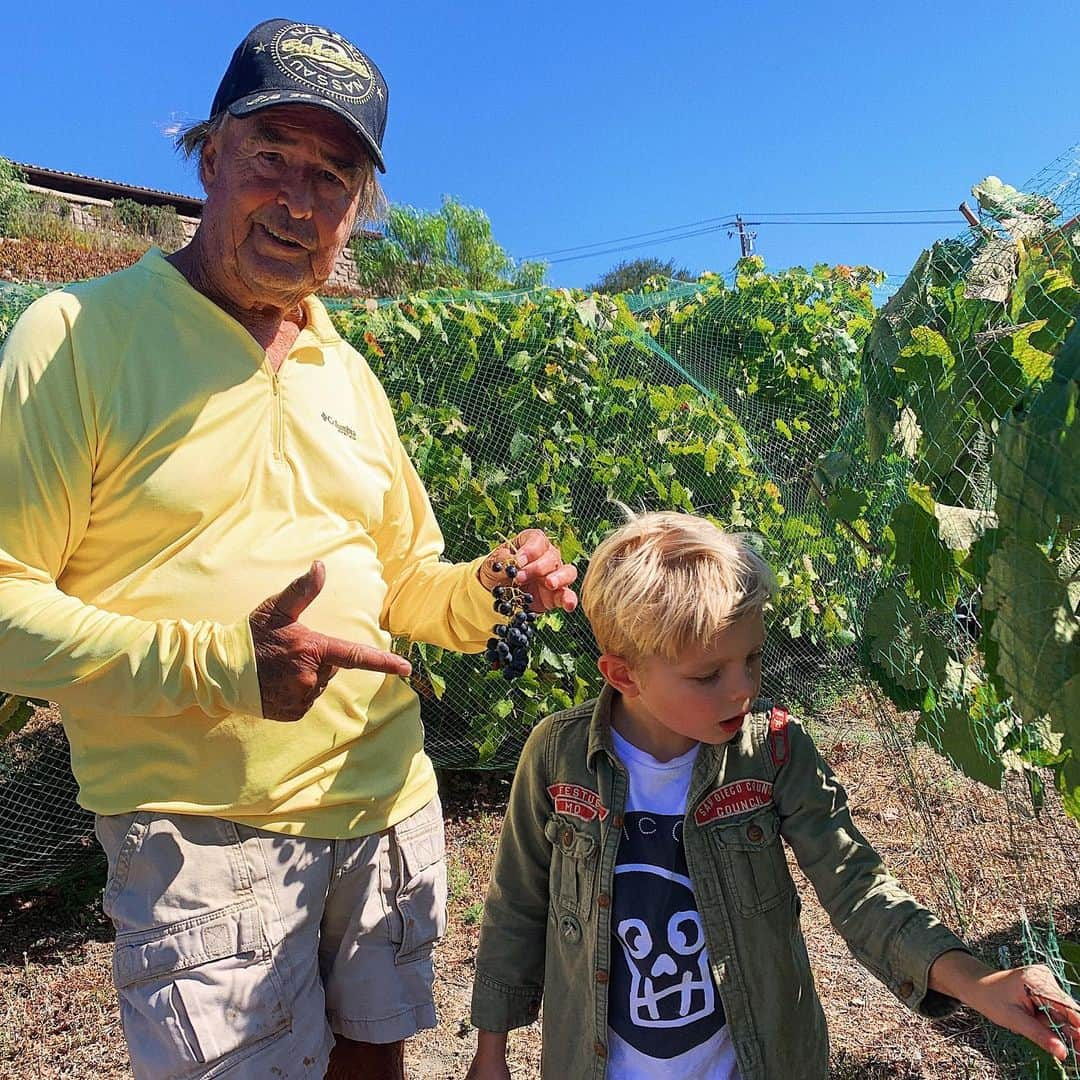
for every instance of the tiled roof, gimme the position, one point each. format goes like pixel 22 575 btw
pixel 96 187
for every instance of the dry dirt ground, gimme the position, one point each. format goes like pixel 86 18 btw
pixel 58 1015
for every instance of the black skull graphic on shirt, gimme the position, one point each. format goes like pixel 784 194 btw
pixel 662 1000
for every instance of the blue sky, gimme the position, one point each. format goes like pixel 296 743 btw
pixel 574 123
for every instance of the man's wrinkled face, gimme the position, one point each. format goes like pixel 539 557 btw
pixel 283 186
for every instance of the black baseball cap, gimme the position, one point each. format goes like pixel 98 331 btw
pixel 282 62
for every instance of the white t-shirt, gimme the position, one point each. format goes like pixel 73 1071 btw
pixel 665 1017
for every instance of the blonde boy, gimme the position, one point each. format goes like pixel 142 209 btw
pixel 640 887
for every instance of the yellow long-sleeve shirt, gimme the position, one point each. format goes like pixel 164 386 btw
pixel 157 482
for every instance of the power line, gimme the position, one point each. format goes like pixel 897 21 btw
pixel 634 247
pixel 732 224
pixel 633 236
pixel 825 213
pixel 727 220
pixel 908 221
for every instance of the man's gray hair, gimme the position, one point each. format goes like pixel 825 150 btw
pixel 192 137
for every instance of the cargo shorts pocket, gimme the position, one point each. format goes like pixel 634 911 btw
pixel 119 836
pixel 418 884
pixel 755 868
pixel 198 996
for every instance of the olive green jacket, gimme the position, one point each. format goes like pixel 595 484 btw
pixel 546 932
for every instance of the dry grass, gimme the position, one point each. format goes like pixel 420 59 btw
pixel 58 1015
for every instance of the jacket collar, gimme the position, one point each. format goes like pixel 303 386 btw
pixel 709 756
pixel 600 727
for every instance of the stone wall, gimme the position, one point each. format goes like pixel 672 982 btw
pixel 344 273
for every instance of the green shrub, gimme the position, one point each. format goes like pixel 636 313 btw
pixel 546 409
pixel 14 194
pixel 159 224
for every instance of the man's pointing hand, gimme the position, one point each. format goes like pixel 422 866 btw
pixel 294 663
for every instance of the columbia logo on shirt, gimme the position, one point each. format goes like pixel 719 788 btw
pixel 344 429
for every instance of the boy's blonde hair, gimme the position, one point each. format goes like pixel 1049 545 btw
pixel 665 581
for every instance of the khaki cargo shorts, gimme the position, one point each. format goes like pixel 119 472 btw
pixel 241 953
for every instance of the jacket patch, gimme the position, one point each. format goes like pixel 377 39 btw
pixel 778 736
pixel 579 802
pixel 734 798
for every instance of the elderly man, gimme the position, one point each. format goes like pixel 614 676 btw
pixel 177 442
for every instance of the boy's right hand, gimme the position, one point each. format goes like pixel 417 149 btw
pixel 1026 1000
pixel 490 1060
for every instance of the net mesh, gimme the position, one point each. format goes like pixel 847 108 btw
pixel 971 385
pixel 912 472
pixel 557 407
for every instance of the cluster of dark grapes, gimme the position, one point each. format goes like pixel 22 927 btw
pixel 508 650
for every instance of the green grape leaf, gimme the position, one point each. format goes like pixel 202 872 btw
pixel 1034 361
pixel 1047 297
pixel 847 503
pixel 977 562
pixel 519 444
pixel 1070 958
pixel 438 684
pixel 998 380
pixel 1035 466
pixel 906 659
pixel 570 547
pixel 948 457
pixel 1067 776
pixel 929 356
pixel 913 531
pixel 834 465
pixel 949 730
pixel 1036 789
pixel 879 417
pixel 14 714
pixel 1065 707
pixel 1033 743
pixel 1035 631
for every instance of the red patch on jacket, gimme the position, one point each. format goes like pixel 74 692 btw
pixel 734 798
pixel 576 801
pixel 778 736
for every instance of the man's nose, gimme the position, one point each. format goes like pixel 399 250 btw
pixel 295 193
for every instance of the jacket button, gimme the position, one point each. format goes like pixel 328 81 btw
pixel 567 837
pixel 754 833
pixel 906 988
pixel 603 900
pixel 617 822
pixel 601 1050
pixel 602 977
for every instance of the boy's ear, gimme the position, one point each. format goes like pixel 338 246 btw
pixel 618 672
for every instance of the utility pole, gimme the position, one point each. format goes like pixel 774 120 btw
pixel 746 238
